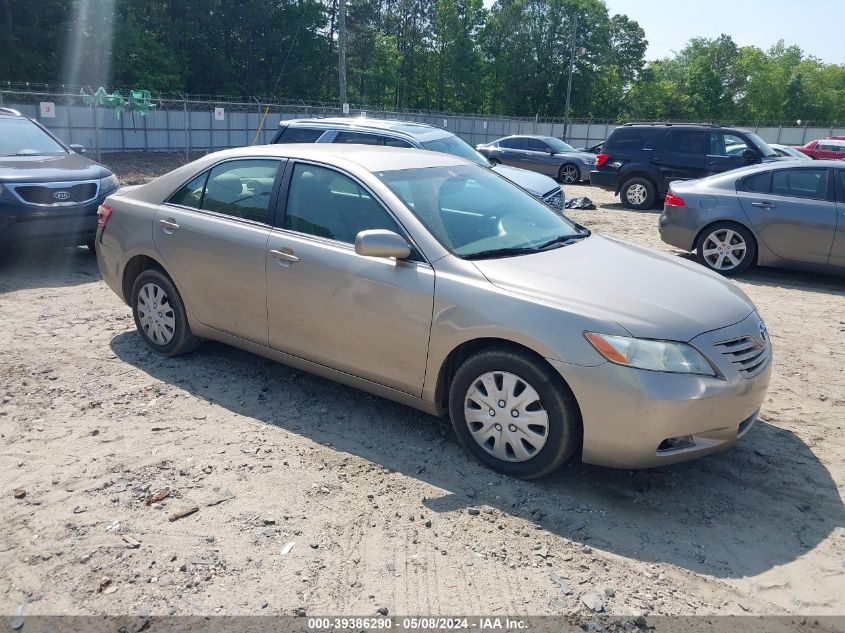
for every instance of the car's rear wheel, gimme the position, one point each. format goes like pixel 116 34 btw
pixel 514 414
pixel 638 193
pixel 160 314
pixel 569 174
pixel 727 248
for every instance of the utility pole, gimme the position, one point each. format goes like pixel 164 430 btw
pixel 341 37
pixel 569 82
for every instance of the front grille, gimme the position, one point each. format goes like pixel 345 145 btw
pixel 57 194
pixel 747 354
pixel 554 200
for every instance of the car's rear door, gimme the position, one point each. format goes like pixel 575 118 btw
pixel 512 151
pixel 367 316
pixel 682 155
pixel 837 251
pixel 792 212
pixel 212 235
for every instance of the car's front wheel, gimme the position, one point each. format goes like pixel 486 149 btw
pixel 726 247
pixel 160 314
pixel 514 414
pixel 569 174
pixel 638 193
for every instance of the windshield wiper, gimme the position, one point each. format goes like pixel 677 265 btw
pixel 563 240
pixel 494 253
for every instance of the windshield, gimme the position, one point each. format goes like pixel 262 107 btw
pixel 761 145
pixel 457 147
pixel 558 145
pixel 475 213
pixel 21 137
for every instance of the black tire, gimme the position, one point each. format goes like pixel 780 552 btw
pixel 722 231
pixel 182 339
pixel 570 178
pixel 638 193
pixel 563 436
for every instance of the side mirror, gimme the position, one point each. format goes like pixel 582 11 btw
pixel 381 243
pixel 79 149
pixel 749 155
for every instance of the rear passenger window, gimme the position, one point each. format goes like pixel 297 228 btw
pixel 800 183
pixel 628 138
pixel 357 138
pixel 687 142
pixel 241 188
pixel 191 194
pixel 300 135
pixel 325 203
pixel 759 183
pixel 513 143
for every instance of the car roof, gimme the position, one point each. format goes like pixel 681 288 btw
pixel 371 157
pixel 416 130
pixel 709 126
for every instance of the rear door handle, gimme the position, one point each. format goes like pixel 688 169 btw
pixel 284 256
pixel 169 225
pixel 763 205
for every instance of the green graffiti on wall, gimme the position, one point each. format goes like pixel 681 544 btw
pixel 138 100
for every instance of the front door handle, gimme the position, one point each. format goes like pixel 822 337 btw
pixel 169 225
pixel 763 205
pixel 284 256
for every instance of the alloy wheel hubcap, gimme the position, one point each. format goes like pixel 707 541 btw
pixel 724 249
pixel 570 174
pixel 636 194
pixel 155 314
pixel 505 416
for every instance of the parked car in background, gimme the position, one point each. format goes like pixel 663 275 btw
pixel 776 214
pixel 641 159
pixel 788 152
pixel 48 191
pixel 431 280
pixel 831 149
pixel 394 133
pixel 543 154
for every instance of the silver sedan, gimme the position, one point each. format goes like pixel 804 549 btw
pixel 435 282
pixel 784 213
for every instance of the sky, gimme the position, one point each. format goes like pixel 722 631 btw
pixel 814 25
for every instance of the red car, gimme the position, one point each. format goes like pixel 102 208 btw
pixel 827 148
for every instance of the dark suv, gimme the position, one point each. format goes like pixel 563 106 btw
pixel 48 192
pixel 639 160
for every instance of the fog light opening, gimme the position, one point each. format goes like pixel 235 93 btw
pixel 676 443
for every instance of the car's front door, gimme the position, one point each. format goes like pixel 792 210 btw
pixel 367 316
pixel 538 157
pixel 837 252
pixel 792 212
pixel 718 158
pixel 682 155
pixel 212 234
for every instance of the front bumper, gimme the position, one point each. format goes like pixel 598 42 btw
pixel 628 414
pixel 70 225
pixel 678 226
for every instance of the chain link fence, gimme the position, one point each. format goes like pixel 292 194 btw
pixel 190 124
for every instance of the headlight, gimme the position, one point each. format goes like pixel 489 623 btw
pixel 109 183
pixel 666 356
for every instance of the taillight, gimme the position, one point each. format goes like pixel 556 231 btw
pixel 674 200
pixel 601 159
pixel 103 215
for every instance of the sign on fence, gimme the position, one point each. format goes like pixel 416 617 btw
pixel 48 110
pixel 219 114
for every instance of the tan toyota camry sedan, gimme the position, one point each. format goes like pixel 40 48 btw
pixel 434 282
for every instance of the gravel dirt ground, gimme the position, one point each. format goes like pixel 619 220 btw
pixel 301 494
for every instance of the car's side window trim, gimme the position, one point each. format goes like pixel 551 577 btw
pixel 839 185
pixel 274 194
pixel 284 194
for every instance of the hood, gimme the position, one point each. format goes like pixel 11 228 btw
pixel 66 167
pixel 650 294
pixel 538 184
